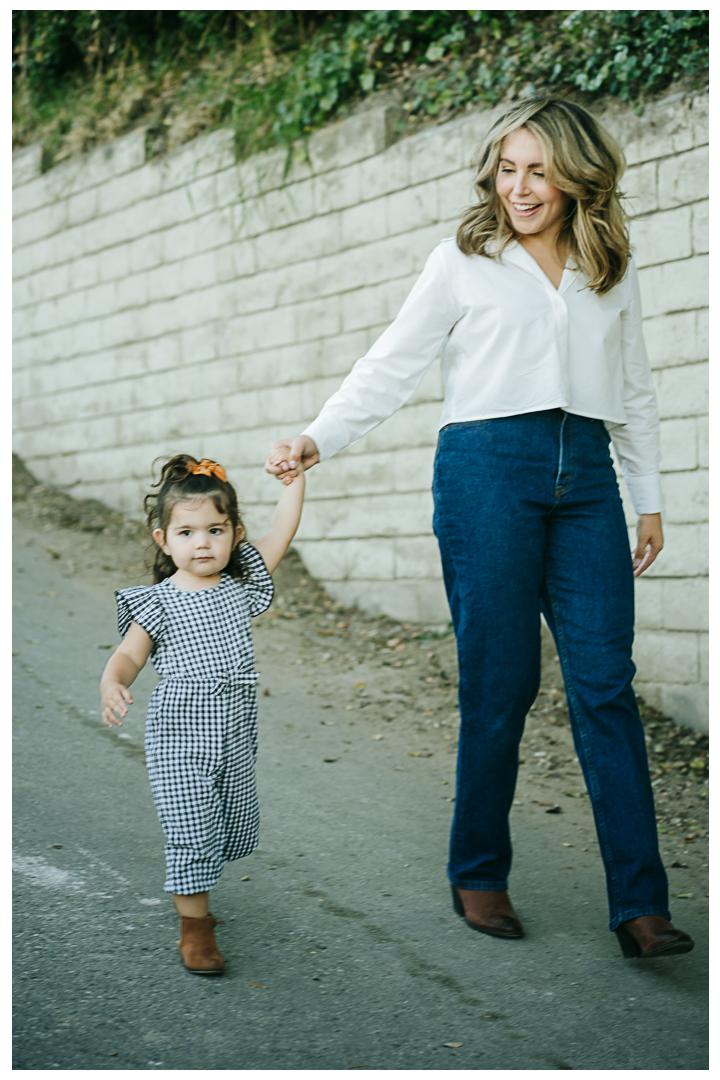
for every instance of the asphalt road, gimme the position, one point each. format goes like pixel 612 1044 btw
pixel 342 949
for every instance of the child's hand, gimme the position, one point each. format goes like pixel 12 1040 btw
pixel 277 457
pixel 112 705
pixel 292 451
pixel 280 454
pixel 293 478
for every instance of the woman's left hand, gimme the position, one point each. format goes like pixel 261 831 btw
pixel 649 542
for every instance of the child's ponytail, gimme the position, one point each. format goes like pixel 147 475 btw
pixel 183 478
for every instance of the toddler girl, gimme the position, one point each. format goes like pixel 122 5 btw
pixel 201 733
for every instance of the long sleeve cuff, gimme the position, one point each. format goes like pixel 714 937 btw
pixel 328 435
pixel 645 493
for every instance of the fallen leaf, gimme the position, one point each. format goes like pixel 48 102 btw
pixel 106 646
pixel 683 896
pixel 453 1045
pixel 543 802
pixel 565 844
pixel 419 753
pixel 359 685
pixel 377 736
pixel 266 692
pixel 330 759
pixel 246 878
pixel 554 810
pixel 259 985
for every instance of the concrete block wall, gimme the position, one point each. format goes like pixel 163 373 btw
pixel 196 304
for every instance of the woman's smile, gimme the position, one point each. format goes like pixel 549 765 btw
pixel 525 210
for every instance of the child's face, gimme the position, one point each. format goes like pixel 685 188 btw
pixel 199 538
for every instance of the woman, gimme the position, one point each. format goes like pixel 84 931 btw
pixel 535 306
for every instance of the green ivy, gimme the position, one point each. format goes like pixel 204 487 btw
pixel 278 75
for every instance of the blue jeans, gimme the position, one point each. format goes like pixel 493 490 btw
pixel 528 518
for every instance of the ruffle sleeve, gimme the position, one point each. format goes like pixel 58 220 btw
pixel 259 587
pixel 141 605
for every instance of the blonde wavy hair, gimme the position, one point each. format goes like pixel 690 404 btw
pixel 580 158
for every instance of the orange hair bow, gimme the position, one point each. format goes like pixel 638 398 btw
pixel 207 468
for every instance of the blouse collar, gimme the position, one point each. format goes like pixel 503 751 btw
pixel 516 255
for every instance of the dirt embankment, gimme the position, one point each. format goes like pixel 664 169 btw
pixel 414 684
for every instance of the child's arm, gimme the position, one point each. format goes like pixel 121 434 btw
pixel 121 671
pixel 285 522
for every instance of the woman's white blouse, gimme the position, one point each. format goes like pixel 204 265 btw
pixel 510 343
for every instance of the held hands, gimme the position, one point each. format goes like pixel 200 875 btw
pixel 649 542
pixel 113 704
pixel 289 457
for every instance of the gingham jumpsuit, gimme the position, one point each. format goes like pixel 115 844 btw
pixel 201 732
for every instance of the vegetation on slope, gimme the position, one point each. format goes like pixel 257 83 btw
pixel 82 78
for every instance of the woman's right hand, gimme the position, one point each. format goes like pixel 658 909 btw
pixel 289 457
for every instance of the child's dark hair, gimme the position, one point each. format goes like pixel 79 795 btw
pixel 179 483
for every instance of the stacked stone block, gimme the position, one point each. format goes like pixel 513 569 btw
pixel 196 304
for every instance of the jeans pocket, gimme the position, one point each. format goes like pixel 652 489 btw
pixel 601 431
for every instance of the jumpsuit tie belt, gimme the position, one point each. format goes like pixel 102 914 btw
pixel 221 683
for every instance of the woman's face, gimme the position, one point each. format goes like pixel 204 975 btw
pixel 532 205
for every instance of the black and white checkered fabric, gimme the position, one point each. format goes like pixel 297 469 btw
pixel 201 732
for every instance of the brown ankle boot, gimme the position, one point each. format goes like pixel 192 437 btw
pixel 488 911
pixel 198 947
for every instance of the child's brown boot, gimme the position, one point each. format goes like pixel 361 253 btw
pixel 198 947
